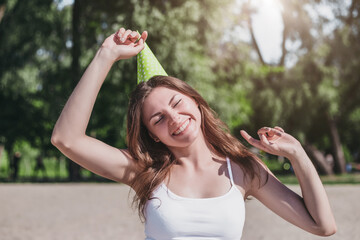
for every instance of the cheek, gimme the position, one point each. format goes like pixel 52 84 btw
pixel 197 111
pixel 158 130
pixel 151 131
pixel 190 105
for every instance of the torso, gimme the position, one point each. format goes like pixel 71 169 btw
pixel 194 184
pixel 187 208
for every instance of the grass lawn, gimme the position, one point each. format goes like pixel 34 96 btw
pixel 56 172
pixel 348 178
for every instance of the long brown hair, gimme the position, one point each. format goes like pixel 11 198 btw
pixel 155 160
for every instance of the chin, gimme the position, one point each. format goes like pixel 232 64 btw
pixel 188 140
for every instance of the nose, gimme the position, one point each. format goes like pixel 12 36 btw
pixel 174 118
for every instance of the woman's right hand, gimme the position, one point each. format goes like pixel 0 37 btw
pixel 123 44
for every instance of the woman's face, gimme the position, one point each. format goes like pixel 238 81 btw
pixel 171 117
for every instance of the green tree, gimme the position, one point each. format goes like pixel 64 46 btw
pixel 45 68
pixel 308 98
pixel 22 30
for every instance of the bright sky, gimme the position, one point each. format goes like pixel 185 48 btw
pixel 268 28
pixel 63 3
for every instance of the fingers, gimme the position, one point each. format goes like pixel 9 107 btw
pixel 118 39
pixel 144 35
pixel 270 132
pixel 263 139
pixel 256 143
pixel 133 36
pixel 139 46
pixel 262 144
pixel 280 129
pixel 122 36
pixel 125 36
pixel 131 40
pixel 122 31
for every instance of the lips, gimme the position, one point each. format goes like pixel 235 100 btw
pixel 182 127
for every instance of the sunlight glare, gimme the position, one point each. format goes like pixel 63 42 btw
pixel 268 27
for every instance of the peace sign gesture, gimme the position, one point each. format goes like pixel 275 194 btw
pixel 124 44
pixel 274 141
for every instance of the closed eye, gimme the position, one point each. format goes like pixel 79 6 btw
pixel 160 118
pixel 177 103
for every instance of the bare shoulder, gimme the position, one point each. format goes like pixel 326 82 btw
pixel 249 182
pixel 241 179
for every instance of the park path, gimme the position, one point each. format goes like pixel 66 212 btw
pixel 103 212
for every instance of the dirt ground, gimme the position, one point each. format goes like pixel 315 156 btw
pixel 103 211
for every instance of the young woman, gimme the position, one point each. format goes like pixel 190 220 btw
pixel 189 174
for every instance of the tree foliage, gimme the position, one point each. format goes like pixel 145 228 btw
pixel 45 47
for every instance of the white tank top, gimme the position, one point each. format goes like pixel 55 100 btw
pixel 169 216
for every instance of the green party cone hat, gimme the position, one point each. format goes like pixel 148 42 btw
pixel 147 65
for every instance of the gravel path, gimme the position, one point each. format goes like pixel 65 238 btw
pixel 103 212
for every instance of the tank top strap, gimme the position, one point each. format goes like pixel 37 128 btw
pixel 229 170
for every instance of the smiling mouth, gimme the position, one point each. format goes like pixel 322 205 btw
pixel 182 127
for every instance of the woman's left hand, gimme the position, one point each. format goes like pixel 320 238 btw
pixel 274 141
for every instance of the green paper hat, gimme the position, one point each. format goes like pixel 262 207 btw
pixel 147 65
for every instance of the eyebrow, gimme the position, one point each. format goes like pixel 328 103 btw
pixel 158 113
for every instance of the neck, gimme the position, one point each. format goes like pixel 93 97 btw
pixel 196 154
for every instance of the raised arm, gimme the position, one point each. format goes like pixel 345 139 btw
pixel 310 212
pixel 69 132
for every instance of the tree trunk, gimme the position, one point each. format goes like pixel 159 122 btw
pixel 247 10
pixel 75 50
pixel 73 168
pixel 322 165
pixel 254 42
pixel 339 158
pixel 1 153
pixel 73 171
pixel 283 44
pixel 2 11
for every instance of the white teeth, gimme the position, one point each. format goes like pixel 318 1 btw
pixel 182 128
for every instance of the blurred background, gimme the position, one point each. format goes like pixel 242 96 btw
pixel 293 64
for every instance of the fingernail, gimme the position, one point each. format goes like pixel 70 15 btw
pixel 122 39
pixel 133 34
